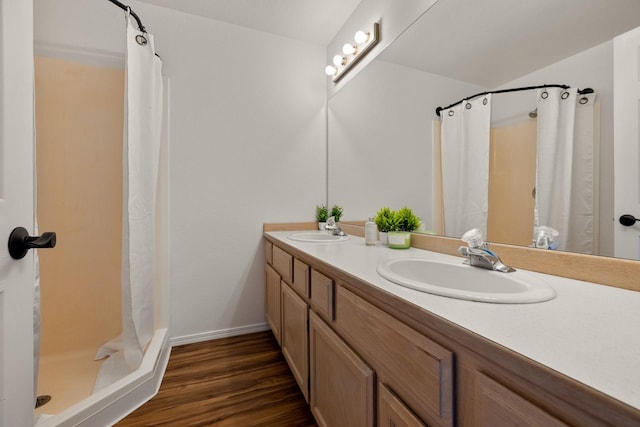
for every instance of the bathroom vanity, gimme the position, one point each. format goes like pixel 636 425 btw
pixel 366 351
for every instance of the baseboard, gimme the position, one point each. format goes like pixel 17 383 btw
pixel 223 333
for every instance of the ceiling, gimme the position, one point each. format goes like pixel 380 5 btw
pixel 491 42
pixel 313 21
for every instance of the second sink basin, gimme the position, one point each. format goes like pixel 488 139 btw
pixel 317 237
pixel 465 282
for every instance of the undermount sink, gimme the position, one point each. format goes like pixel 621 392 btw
pixel 317 237
pixel 465 282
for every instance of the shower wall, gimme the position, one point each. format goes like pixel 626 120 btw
pixel 79 120
pixel 512 178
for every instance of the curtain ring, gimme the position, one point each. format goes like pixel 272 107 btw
pixel 142 40
pixel 583 100
pixel 485 101
pixel 544 95
pixel 468 106
pixel 564 95
pixel 451 113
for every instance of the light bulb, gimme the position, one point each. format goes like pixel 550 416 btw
pixel 338 60
pixel 361 37
pixel 348 49
pixel 330 70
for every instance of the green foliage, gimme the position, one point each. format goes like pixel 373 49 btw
pixel 385 219
pixel 336 212
pixel 322 213
pixel 406 219
pixel 402 220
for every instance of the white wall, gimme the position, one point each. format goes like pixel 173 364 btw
pixel 247 146
pixel 380 139
pixel 592 68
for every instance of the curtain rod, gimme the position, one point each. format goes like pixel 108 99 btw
pixel 517 89
pixel 125 8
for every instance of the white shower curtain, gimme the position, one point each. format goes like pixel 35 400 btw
pixel 564 172
pixel 143 124
pixel 464 142
pixel 141 151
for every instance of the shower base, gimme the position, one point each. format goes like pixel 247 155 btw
pixel 68 378
pixel 117 400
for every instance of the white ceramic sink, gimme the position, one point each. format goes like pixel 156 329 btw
pixel 317 237
pixel 465 282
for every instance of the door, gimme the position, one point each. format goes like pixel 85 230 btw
pixel 16 209
pixel 626 108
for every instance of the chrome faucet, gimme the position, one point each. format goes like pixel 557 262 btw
pixel 479 255
pixel 333 227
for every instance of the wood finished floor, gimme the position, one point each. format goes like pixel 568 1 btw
pixel 236 381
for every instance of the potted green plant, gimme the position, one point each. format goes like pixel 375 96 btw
pixel 406 221
pixel 322 214
pixel 336 212
pixel 385 220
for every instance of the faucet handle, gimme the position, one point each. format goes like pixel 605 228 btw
pixel 473 238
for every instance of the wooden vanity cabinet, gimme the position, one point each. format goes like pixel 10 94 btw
pixel 342 385
pixel 361 360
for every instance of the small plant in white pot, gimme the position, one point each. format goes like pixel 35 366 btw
pixel 336 213
pixel 385 220
pixel 322 214
pixel 406 221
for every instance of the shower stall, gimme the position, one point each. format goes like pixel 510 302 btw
pixel 80 116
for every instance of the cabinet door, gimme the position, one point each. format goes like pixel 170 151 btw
pixel 342 385
pixel 497 406
pixel 295 337
pixel 392 412
pixel 272 300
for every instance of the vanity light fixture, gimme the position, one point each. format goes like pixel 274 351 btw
pixel 353 52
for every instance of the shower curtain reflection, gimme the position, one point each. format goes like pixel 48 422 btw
pixel 464 148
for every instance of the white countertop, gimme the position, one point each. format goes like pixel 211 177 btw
pixel 589 332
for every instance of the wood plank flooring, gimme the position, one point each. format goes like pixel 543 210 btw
pixel 236 381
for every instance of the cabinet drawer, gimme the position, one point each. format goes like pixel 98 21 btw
pixel 283 263
pixel 419 370
pixel 496 405
pixel 322 291
pixel 268 251
pixel 301 278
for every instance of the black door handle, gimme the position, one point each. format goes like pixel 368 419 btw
pixel 20 242
pixel 628 220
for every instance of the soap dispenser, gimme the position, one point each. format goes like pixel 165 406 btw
pixel 370 232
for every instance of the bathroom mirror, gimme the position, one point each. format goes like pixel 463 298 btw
pixel 381 122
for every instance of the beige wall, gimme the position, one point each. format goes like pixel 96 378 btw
pixel 512 178
pixel 79 120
